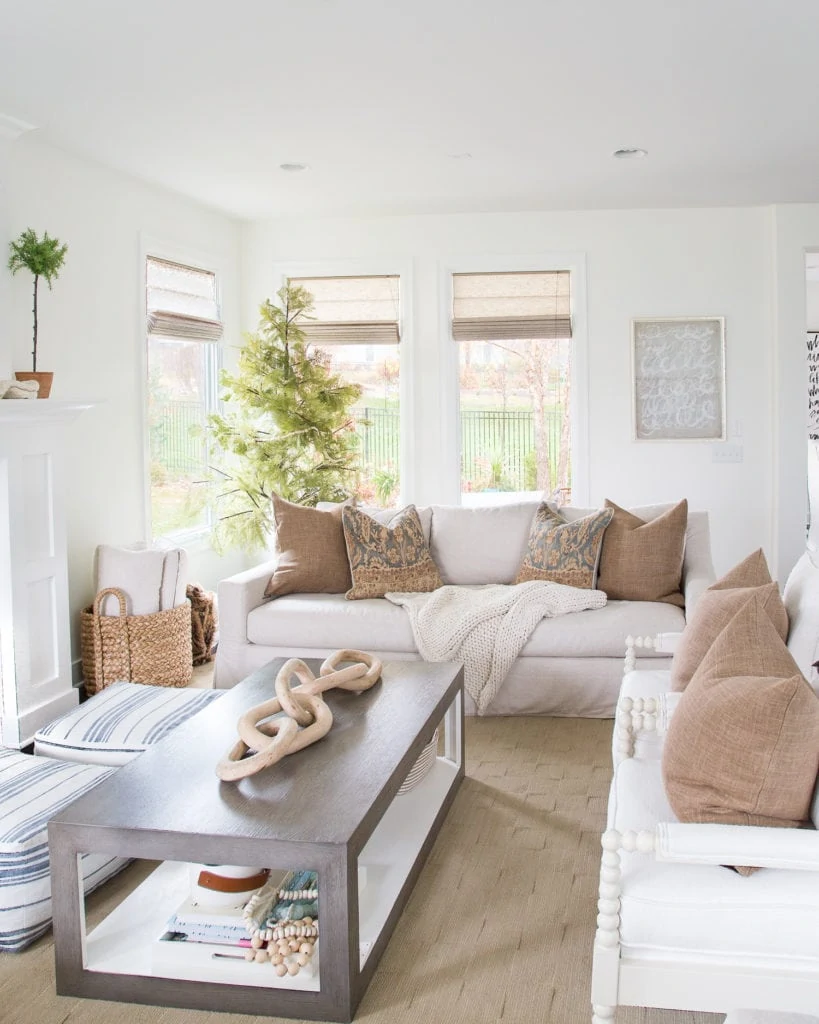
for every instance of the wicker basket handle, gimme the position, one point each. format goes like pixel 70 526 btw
pixel 117 593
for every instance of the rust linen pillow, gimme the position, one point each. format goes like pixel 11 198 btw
pixel 564 552
pixel 312 552
pixel 391 557
pixel 742 746
pixel 642 561
pixel 713 612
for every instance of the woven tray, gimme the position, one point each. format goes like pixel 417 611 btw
pixel 422 767
pixel 153 649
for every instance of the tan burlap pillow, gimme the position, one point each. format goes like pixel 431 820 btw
pixel 713 612
pixel 391 557
pixel 312 552
pixel 742 746
pixel 642 561
pixel 750 572
pixel 564 552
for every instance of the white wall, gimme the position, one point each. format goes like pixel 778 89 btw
pixel 645 262
pixel 91 332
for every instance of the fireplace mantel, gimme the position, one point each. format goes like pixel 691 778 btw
pixel 35 647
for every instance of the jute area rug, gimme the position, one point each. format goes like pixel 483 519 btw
pixel 500 926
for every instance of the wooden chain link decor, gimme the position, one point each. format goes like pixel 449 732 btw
pixel 308 719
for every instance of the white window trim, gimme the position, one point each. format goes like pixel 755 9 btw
pixel 575 263
pixel 149 245
pixel 406 387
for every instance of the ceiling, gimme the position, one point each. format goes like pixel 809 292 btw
pixel 422 106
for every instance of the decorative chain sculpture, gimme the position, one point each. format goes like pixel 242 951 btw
pixel 309 718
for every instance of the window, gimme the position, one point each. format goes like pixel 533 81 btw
pixel 514 335
pixel 184 327
pixel 356 322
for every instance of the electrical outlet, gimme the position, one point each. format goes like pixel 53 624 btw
pixel 728 452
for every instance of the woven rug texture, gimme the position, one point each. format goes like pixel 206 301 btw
pixel 500 925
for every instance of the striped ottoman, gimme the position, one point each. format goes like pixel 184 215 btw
pixel 32 790
pixel 118 723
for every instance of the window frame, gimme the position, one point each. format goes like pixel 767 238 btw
pixel 402 269
pixel 575 263
pixel 162 250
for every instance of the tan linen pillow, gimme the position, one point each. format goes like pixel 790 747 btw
pixel 642 561
pixel 312 552
pixel 742 746
pixel 391 557
pixel 750 572
pixel 713 612
pixel 564 552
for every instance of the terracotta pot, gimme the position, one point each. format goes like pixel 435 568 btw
pixel 43 378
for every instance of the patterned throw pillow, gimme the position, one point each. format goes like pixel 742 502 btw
pixel 391 557
pixel 564 552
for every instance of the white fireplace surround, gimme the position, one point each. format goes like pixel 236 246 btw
pixel 35 647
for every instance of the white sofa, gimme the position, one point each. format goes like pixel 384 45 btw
pixel 571 666
pixel 675 929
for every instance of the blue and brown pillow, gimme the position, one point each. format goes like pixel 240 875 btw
pixel 564 552
pixel 386 558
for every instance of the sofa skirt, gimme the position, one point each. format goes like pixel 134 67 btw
pixel 558 687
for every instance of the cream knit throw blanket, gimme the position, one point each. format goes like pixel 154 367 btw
pixel 487 627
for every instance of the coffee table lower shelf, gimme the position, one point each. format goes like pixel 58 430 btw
pixel 126 941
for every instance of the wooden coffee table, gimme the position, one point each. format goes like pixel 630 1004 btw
pixel 332 808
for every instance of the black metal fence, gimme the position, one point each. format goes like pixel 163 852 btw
pixel 497 446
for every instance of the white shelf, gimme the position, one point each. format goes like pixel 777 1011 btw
pixel 126 941
pixel 393 847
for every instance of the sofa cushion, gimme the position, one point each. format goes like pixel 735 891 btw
pixel 388 557
pixel 673 910
pixel 642 559
pixel 715 609
pixel 562 551
pixel 35 789
pixel 329 621
pixel 119 722
pixel 383 515
pixel 743 744
pixel 311 548
pixel 480 545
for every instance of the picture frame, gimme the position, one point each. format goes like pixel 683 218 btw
pixel 678 378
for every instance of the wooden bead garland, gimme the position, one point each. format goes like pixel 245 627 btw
pixel 309 718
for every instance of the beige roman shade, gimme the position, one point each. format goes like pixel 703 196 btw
pixel 510 306
pixel 352 310
pixel 182 302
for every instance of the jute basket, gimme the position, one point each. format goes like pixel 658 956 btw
pixel 154 649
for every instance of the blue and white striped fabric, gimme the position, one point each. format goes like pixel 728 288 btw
pixel 32 790
pixel 118 723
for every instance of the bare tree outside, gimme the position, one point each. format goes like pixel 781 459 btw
pixel 515 416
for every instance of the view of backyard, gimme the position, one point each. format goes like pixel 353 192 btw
pixel 514 412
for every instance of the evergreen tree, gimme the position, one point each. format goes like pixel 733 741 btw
pixel 291 430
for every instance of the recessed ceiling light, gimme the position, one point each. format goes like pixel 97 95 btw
pixel 630 154
pixel 293 167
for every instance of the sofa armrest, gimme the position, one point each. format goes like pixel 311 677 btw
pixel 698 568
pixel 237 596
pixel 792 848
pixel 640 714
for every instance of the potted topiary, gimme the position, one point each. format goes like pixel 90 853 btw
pixel 44 257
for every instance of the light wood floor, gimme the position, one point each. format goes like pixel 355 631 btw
pixel 501 923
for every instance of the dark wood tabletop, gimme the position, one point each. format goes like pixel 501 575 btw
pixel 332 792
